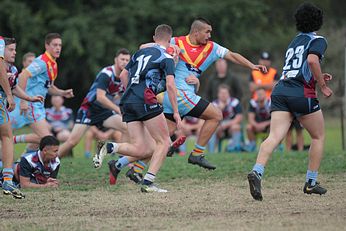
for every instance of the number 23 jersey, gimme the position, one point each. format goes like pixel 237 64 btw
pixel 297 79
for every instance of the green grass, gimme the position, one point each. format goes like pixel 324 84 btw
pixel 77 173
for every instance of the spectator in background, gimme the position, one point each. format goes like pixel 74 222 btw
pixel 222 76
pixel 60 118
pixel 39 169
pixel 102 134
pixel 232 118
pixel 259 79
pixel 27 59
pixel 191 126
pixel 299 137
pixel 258 118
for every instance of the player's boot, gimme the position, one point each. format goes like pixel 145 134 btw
pixel 10 189
pixel 316 189
pixel 100 154
pixel 175 145
pixel 152 188
pixel 200 161
pixel 134 176
pixel 255 185
pixel 113 172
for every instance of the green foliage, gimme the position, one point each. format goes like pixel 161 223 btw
pixel 93 30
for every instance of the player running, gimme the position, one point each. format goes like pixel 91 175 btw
pixel 294 96
pixel 150 71
pixel 8 48
pixel 197 54
pixel 38 79
pixel 97 107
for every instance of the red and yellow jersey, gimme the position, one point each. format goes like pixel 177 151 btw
pixel 194 59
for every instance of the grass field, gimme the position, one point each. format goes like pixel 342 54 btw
pixel 197 199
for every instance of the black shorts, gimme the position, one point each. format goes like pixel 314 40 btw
pixel 93 117
pixel 139 111
pixel 298 106
pixel 196 112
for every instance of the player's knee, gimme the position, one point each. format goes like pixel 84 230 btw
pixel 218 115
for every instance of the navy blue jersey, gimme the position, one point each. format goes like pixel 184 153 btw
pixel 297 79
pixel 147 69
pixel 262 112
pixel 107 81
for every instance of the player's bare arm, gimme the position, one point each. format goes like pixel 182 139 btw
pixel 102 98
pixel 22 82
pixel 241 60
pixel 172 95
pixel 6 86
pixel 20 93
pixel 124 78
pixel 26 183
pixel 54 90
pixel 314 64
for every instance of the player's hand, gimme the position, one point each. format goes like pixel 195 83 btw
pixel 327 77
pixel 10 103
pixel 177 119
pixel 326 91
pixel 192 79
pixel 23 107
pixel 51 182
pixel 260 68
pixel 68 93
pixel 38 98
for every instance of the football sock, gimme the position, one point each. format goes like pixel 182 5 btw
pixel 149 178
pixel 87 154
pixel 19 139
pixel 259 168
pixel 112 148
pixel 236 139
pixel 139 166
pixel 122 162
pixel 7 174
pixel 198 150
pixel 312 176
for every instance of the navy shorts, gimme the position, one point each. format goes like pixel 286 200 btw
pixel 298 106
pixel 140 112
pixel 93 117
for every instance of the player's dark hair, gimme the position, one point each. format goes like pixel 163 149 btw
pixel 27 55
pixel 122 51
pixel 309 18
pixel 48 141
pixel 163 31
pixel 9 41
pixel 197 24
pixel 224 86
pixel 51 36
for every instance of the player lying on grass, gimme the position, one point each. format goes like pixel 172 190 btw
pixel 39 169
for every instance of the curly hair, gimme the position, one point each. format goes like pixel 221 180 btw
pixel 309 18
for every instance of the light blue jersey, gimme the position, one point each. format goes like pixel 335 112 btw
pixel 193 60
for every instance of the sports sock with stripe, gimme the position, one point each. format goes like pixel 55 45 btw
pixel 7 174
pixel 139 166
pixel 198 150
pixel 312 176
pixel 149 178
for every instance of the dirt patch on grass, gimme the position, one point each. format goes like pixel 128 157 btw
pixel 190 205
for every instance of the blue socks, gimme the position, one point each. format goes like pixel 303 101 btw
pixel 312 177
pixel 122 162
pixel 259 168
